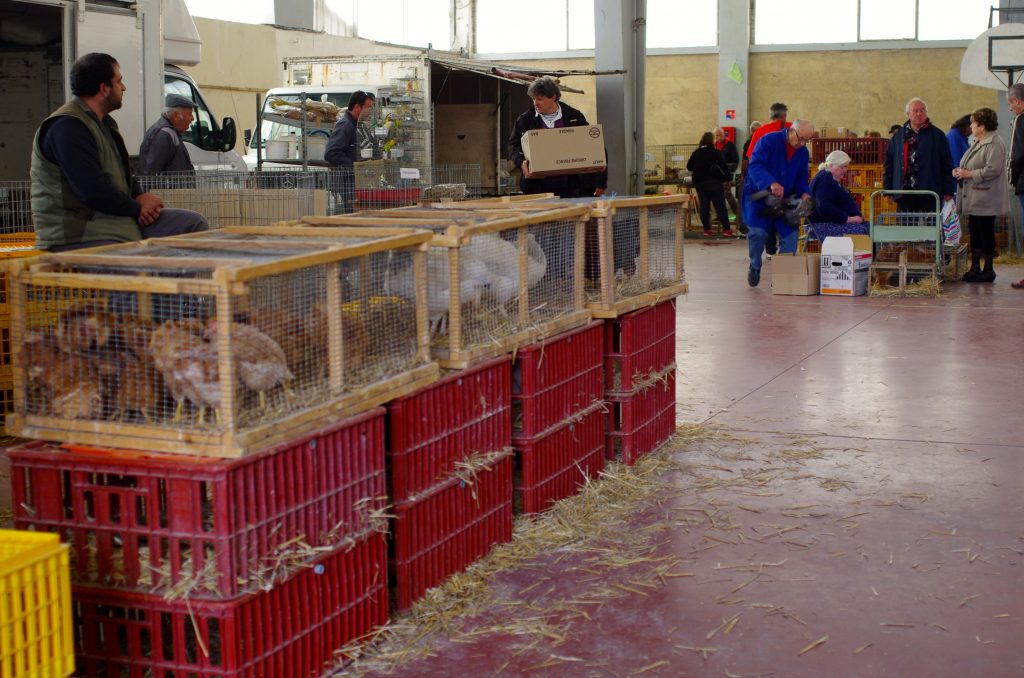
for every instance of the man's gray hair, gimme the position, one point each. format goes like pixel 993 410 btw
pixel 1016 91
pixel 544 86
pixel 805 126
pixel 169 110
pixel 915 100
pixel 754 125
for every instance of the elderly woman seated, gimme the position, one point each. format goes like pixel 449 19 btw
pixel 835 211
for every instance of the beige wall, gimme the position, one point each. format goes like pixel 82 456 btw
pixel 239 61
pixel 858 89
pixel 863 89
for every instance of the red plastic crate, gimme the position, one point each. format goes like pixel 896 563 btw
pixel 388 197
pixel 290 630
pixel 640 422
pixel 444 531
pixel 467 412
pixel 638 342
pixel 556 379
pixel 862 150
pixel 125 513
pixel 554 465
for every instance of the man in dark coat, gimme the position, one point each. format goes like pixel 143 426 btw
pixel 918 159
pixel 342 150
pixel 549 111
pixel 162 149
pixel 1015 154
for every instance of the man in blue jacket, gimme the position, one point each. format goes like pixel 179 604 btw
pixel 918 159
pixel 778 166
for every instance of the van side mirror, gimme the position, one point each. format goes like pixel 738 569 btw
pixel 247 136
pixel 229 135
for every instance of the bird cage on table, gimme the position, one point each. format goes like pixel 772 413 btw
pixel 634 249
pixel 496 284
pixel 219 343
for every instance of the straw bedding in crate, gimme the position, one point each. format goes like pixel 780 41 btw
pixel 497 284
pixel 219 343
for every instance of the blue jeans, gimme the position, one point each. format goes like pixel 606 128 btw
pixel 757 237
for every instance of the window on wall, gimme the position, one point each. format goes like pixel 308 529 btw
pixel 406 22
pixel 778 22
pixel 560 25
pixel 677 24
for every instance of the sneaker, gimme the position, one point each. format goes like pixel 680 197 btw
pixel 728 233
pixel 1019 285
pixel 753 276
pixel 708 234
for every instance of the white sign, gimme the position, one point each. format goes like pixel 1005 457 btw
pixel 677 158
pixel 409 173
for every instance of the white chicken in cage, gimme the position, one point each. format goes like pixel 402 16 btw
pixel 474 279
pixel 501 258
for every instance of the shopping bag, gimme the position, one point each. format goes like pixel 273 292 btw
pixel 950 223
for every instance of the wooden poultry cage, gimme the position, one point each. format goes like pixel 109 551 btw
pixel 496 282
pixel 634 248
pixel 218 343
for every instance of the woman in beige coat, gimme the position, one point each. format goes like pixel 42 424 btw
pixel 982 172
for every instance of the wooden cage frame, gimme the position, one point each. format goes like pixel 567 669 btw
pixel 230 279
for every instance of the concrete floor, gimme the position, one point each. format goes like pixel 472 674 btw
pixel 864 489
pixel 860 511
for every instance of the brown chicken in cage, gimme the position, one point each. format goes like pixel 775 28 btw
pixel 135 385
pixel 84 326
pixel 303 336
pixel 69 384
pixel 188 364
pixel 260 361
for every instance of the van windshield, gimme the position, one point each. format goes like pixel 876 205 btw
pixel 282 114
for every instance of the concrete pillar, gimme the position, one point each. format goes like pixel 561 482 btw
pixel 463 26
pixel 733 65
pixel 621 44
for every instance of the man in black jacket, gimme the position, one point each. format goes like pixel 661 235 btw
pixel 342 151
pixel 548 111
pixel 1015 154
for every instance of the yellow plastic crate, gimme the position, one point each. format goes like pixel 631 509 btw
pixel 35 606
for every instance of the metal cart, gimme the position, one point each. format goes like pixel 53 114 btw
pixel 915 238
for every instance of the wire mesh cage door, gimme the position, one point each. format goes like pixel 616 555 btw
pixel 637 245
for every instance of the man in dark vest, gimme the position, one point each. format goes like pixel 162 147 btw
pixel 83 190
pixel 162 149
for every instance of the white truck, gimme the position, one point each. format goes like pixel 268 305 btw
pixel 151 39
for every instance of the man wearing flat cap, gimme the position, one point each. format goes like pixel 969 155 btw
pixel 162 149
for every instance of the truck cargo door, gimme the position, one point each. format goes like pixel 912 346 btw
pixel 119 32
